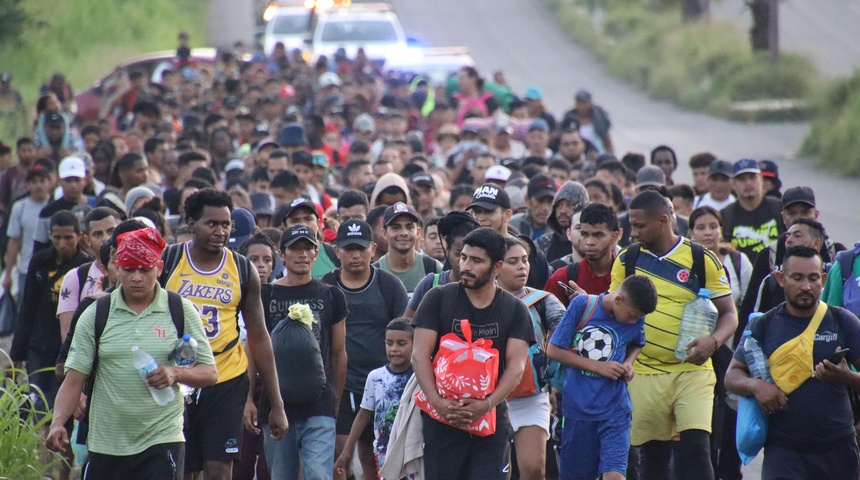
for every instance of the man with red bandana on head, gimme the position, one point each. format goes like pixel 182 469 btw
pixel 130 435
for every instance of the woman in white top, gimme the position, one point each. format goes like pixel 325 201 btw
pixel 706 227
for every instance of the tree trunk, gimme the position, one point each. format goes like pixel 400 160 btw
pixel 759 33
pixel 693 10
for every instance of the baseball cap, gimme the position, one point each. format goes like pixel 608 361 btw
pixel 298 203
pixel 539 124
pixel 745 165
pixel 533 93
pixel 583 95
pixel 422 178
pixel 720 167
pixel 397 210
pixel 490 197
pixel 650 176
pixel 364 124
pixel 295 233
pixel 328 79
pixel 769 168
pixel 72 167
pixel 230 102
pixel 262 204
pixel 243 227
pixel 267 144
pixel 359 146
pixel 502 124
pixel 354 232
pixel 541 186
pixel 498 173
pixel 448 129
pixel 54 118
pixel 293 135
pixel 234 164
pixel 798 195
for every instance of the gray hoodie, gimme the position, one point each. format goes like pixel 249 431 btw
pixel 555 244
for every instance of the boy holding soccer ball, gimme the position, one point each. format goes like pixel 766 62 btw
pixel 598 340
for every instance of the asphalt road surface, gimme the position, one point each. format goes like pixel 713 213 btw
pixel 826 30
pixel 523 39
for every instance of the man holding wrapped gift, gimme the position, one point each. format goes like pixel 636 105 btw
pixel 450 451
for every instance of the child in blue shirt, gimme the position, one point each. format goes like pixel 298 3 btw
pixel 599 355
pixel 382 394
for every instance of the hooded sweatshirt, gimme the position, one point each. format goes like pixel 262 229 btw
pixel 389 180
pixel 555 243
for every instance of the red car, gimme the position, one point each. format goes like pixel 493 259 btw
pixel 90 101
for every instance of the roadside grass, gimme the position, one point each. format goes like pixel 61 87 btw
pixel 706 66
pixel 85 38
pixel 834 138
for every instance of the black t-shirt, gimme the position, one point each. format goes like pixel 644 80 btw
pixel 752 231
pixel 371 308
pixel 506 317
pixel 329 308
pixel 818 413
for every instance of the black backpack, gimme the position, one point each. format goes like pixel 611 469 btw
pixel 177 315
pixel 302 374
pixel 173 254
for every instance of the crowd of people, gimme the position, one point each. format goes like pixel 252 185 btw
pixel 319 228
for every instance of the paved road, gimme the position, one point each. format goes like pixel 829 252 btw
pixel 524 40
pixel 826 30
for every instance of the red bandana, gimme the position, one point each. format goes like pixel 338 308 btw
pixel 139 249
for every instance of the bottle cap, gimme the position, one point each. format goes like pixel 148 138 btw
pixel 135 348
pixel 704 292
pixel 186 337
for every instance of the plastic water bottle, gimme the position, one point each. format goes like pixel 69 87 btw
pixel 185 352
pixel 756 360
pixel 699 320
pixel 144 363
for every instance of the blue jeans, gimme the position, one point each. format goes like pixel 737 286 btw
pixel 313 439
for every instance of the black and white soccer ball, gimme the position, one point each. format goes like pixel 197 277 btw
pixel 595 343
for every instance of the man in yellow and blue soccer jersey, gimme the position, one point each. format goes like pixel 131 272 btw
pixel 669 395
pixel 221 284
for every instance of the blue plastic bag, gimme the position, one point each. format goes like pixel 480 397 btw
pixel 751 429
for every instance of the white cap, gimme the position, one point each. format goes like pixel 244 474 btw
pixel 72 167
pixel 234 164
pixel 328 79
pixel 498 173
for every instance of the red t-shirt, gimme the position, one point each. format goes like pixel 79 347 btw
pixel 586 279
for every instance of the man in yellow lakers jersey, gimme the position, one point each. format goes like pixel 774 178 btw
pixel 221 284
pixel 671 396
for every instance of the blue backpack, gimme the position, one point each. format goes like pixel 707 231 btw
pixel 850 286
pixel 556 372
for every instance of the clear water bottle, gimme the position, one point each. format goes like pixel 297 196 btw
pixel 144 363
pixel 756 360
pixel 185 352
pixel 698 320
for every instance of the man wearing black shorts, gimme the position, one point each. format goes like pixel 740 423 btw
pixel 494 314
pixel 374 298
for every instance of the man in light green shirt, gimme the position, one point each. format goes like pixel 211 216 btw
pixel 130 435
pixel 402 231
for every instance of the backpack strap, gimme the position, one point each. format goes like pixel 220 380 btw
pixel 171 256
pixel 845 259
pixel 429 264
pixel 177 312
pixel 630 256
pixel 436 279
pixel 736 263
pixel 83 271
pixel 699 263
pixel 573 271
pixel 590 308
pixel 102 312
pixel 534 297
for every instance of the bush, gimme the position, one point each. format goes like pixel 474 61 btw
pixel 704 66
pixel 86 38
pixel 21 433
pixel 834 137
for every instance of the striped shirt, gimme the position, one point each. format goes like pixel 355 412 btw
pixel 676 287
pixel 124 418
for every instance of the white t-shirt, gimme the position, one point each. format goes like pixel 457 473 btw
pixel 70 292
pixel 707 201
pixel 23 220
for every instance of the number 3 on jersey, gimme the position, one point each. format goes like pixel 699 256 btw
pixel 211 322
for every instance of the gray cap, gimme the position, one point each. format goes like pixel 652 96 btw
pixel 720 167
pixel 650 176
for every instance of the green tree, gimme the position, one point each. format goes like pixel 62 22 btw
pixel 13 22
